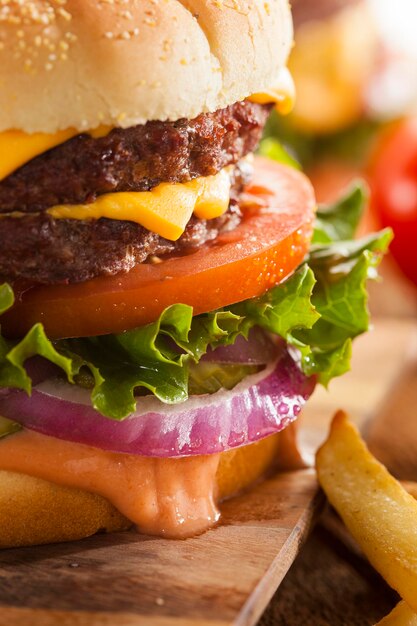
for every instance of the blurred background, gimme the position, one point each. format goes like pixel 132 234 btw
pixel 354 64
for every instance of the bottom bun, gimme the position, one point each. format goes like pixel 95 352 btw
pixel 34 511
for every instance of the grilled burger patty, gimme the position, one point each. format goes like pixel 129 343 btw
pixel 133 159
pixel 45 250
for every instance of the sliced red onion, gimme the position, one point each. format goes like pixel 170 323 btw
pixel 258 349
pixel 40 369
pixel 260 405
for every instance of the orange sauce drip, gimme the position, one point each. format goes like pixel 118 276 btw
pixel 168 497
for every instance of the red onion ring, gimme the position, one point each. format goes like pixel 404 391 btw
pixel 40 369
pixel 257 349
pixel 260 405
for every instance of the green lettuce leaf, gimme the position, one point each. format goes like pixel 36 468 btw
pixel 154 357
pixel 14 355
pixel 273 149
pixel 284 308
pixel 323 305
pixel 340 297
pixel 339 221
pixel 318 310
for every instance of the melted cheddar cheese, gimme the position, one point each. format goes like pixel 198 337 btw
pixel 165 210
pixel 282 94
pixel 18 148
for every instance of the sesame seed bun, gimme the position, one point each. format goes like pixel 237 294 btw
pixel 83 63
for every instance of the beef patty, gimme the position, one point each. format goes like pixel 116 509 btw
pixel 133 159
pixel 44 250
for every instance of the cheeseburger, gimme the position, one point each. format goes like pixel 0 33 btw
pixel 168 300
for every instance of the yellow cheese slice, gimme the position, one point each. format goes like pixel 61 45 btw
pixel 282 94
pixel 164 210
pixel 213 194
pixel 18 148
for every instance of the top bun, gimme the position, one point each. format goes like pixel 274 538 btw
pixel 84 63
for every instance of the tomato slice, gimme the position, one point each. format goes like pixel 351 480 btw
pixel 265 248
pixel 393 177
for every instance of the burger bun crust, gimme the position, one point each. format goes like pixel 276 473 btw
pixel 86 63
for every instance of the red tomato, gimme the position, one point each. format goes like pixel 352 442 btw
pixel 265 248
pixel 393 177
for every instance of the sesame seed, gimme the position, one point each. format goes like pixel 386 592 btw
pixel 47 31
pixel 63 13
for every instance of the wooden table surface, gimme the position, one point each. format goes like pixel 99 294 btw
pixel 330 583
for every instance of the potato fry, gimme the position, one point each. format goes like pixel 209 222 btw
pixel 402 615
pixel 379 513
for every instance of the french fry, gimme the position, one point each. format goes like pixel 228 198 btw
pixel 377 510
pixel 402 615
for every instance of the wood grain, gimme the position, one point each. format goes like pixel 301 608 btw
pixel 45 617
pixel 329 585
pixel 225 576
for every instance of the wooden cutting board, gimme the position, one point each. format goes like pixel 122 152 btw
pixel 223 578
pixel 226 576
